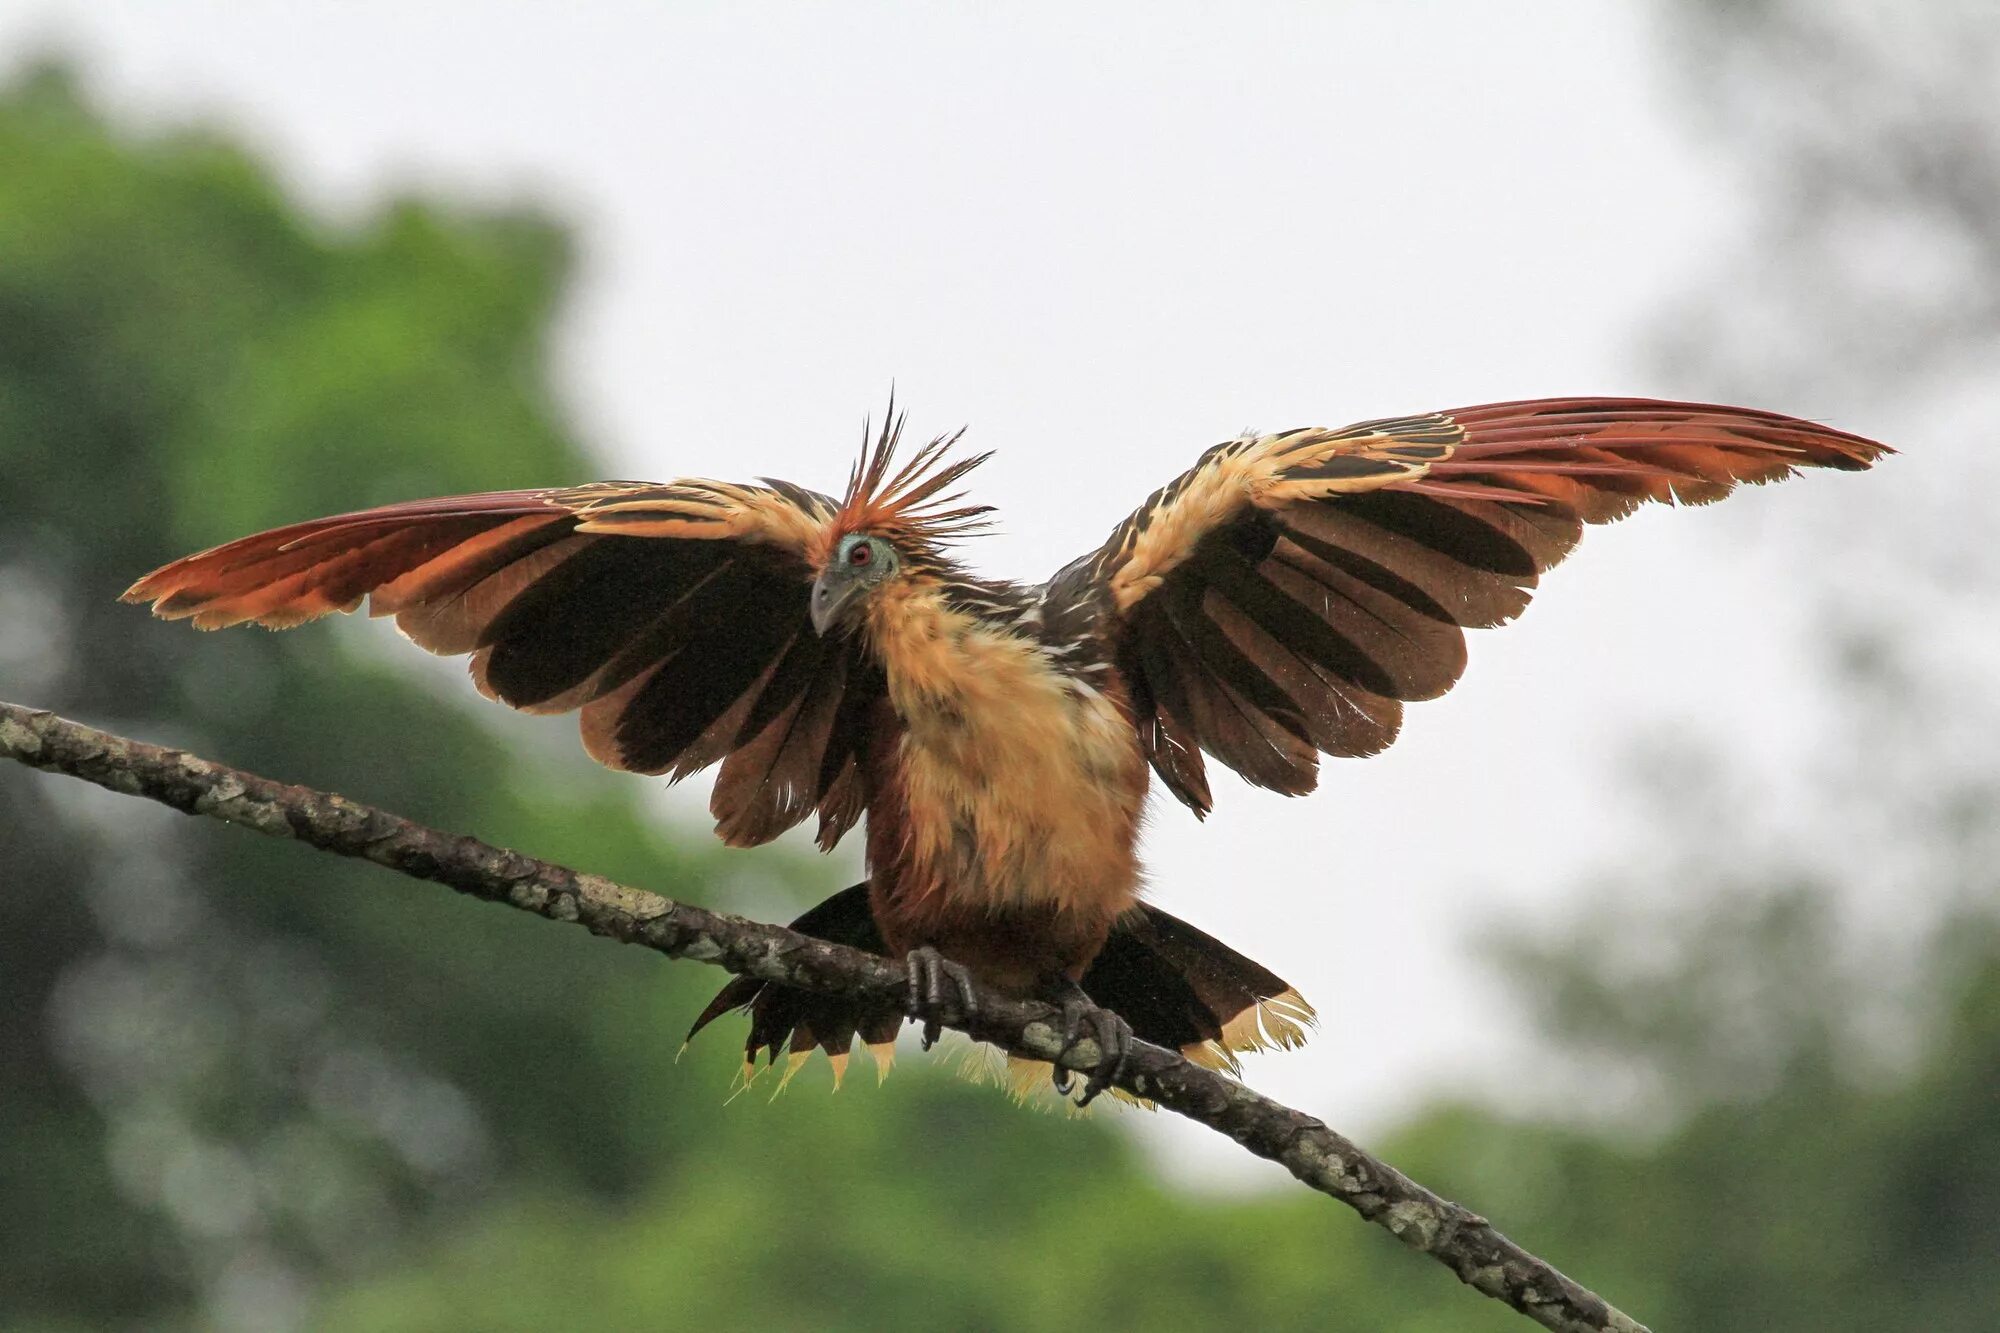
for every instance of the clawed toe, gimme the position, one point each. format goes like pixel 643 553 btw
pixel 1113 1035
pixel 928 1000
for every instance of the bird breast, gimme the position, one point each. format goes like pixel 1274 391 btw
pixel 1021 784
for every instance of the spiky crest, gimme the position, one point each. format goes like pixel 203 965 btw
pixel 904 505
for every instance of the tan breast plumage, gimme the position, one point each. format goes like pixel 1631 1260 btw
pixel 1021 785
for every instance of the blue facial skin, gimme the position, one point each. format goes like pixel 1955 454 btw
pixel 859 563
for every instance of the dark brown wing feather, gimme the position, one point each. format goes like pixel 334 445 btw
pixel 1287 595
pixel 675 617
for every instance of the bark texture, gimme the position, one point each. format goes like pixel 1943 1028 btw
pixel 1327 1161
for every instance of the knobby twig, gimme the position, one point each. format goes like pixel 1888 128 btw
pixel 1461 1240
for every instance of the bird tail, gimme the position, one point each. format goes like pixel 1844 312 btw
pixel 795 1022
pixel 1182 988
pixel 1177 986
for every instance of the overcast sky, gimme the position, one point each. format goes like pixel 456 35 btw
pixel 1105 239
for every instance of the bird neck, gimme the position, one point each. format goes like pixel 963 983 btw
pixel 930 650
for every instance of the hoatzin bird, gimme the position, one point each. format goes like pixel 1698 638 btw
pixel 1282 598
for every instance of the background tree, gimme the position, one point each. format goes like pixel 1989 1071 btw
pixel 235 1084
pixel 236 1095
pixel 1794 996
pixel 226 1079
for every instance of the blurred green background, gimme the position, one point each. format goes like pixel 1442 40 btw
pixel 250 1087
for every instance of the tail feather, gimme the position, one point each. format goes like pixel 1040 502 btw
pixel 1181 987
pixel 1177 986
pixel 795 1022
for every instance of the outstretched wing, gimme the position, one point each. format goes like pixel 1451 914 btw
pixel 674 616
pixel 1289 593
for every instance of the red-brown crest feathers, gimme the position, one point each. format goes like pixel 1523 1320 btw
pixel 904 504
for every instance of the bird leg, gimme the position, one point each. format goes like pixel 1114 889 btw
pixel 927 1001
pixel 1082 1018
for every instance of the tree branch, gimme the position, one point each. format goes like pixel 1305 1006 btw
pixel 1461 1240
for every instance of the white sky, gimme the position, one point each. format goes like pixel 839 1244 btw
pixel 1105 239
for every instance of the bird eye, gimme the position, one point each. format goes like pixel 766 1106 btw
pixel 862 554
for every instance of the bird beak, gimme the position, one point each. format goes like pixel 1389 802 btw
pixel 833 592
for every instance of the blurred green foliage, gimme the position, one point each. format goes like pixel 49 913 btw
pixel 251 1087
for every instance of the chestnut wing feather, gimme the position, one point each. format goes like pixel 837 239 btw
pixel 673 616
pixel 1289 593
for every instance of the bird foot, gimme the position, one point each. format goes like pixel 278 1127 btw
pixel 928 1001
pixel 1113 1036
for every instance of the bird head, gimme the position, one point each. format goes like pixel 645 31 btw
pixel 893 523
pixel 861 562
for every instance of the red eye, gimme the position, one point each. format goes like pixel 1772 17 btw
pixel 861 554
